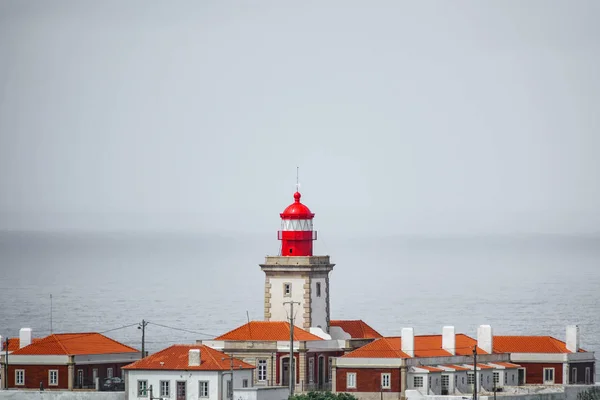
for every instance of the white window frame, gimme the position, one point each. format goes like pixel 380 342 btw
pixel 109 373
pixel 588 376
pixel 287 289
pixel 446 377
pixel 470 378
pixel 21 373
pixel 574 375
pixel 386 380
pixel 142 388
pixel 311 370
pixel 203 389
pixel 165 388
pixel 350 380
pixel 261 370
pixel 53 382
pixel 549 381
pixel 418 381
pixel 230 389
pixel 496 376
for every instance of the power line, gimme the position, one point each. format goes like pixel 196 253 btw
pixel 183 330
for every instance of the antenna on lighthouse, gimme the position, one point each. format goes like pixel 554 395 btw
pixel 297 183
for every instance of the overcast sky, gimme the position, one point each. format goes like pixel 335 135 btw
pixel 404 117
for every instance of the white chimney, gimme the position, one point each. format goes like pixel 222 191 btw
pixel 573 338
pixel 485 338
pixel 449 339
pixel 24 337
pixel 408 341
pixel 194 358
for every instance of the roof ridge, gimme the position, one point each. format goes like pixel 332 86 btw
pixel 60 344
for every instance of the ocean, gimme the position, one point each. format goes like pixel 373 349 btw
pixel 196 286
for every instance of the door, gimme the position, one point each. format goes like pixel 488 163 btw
pixel 180 390
pixel 521 376
pixel 285 372
pixel 80 378
pixel 321 374
pixel 445 384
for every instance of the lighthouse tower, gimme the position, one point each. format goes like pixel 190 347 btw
pixel 296 274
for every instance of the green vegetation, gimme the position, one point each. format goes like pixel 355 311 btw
pixel 592 393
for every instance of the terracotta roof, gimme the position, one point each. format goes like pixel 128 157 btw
pixel 506 364
pixel 75 344
pixel 357 329
pixel 425 346
pixel 15 343
pixel 529 344
pixel 267 331
pixel 430 369
pixel 176 357
pixel 458 367
pixel 484 366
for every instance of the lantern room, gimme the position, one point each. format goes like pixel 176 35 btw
pixel 297 234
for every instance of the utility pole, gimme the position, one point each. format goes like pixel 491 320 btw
pixel 142 326
pixel 6 365
pixel 229 392
pixel 291 362
pixel 475 372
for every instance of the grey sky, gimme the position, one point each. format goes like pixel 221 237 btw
pixel 404 117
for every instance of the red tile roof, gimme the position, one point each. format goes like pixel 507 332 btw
pixel 176 357
pixel 75 344
pixel 267 331
pixel 529 344
pixel 357 329
pixel 15 343
pixel 458 367
pixel 430 369
pixel 425 346
pixel 506 364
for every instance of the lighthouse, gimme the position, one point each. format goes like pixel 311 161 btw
pixel 296 275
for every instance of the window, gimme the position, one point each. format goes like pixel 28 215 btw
pixel 445 382
pixel 513 378
pixel 311 370
pixel 53 377
pixel 330 368
pixel 488 379
pixel 385 381
pixel 203 391
pixel 165 389
pixel 181 390
pixel 505 377
pixel 80 378
pixel 245 383
pixel 351 380
pixel 142 388
pixel 109 372
pixel 418 381
pixel 463 380
pixel 548 375
pixel 318 289
pixel 574 375
pixel 20 377
pixel 261 371
pixel 455 380
pixel 287 289
pixel 588 375
pixel 470 378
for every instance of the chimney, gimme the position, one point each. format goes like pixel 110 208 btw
pixel 573 338
pixel 485 338
pixel 408 341
pixel 449 339
pixel 194 358
pixel 24 337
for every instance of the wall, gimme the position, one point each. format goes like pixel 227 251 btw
pixel 59 395
pixel 535 372
pixel 279 311
pixel 217 382
pixel 581 372
pixel 34 374
pixel 367 380
pixel 318 305
pixel 261 393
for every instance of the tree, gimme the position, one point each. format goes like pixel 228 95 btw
pixel 327 396
pixel 592 393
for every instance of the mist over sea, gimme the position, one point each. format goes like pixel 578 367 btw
pixel 203 285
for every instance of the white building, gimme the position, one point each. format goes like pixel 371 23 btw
pixel 187 372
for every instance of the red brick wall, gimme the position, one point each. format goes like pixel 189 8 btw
pixel 534 372
pixel 368 379
pixel 34 374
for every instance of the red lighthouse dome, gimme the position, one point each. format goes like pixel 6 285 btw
pixel 297 232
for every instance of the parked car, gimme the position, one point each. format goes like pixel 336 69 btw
pixel 113 384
